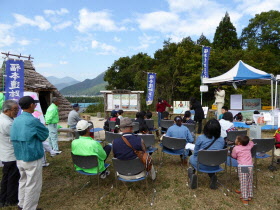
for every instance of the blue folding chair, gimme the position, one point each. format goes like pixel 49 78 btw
pixel 149 140
pixel 211 158
pixel 173 146
pixel 166 124
pixel 110 136
pixel 87 162
pixel 129 168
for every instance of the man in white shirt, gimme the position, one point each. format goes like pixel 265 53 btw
pixel 220 100
pixel 10 177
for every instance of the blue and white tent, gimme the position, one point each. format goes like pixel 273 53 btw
pixel 240 72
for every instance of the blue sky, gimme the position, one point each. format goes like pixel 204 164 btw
pixel 81 39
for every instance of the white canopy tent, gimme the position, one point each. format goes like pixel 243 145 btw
pixel 242 72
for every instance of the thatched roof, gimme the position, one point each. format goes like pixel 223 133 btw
pixel 35 82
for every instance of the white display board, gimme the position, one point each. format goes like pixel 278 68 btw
pixel 180 107
pixel 236 101
pixel 126 102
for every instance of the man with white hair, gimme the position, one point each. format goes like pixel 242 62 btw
pixel 74 117
pixel 10 173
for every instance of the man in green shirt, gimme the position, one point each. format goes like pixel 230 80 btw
pixel 52 118
pixel 86 146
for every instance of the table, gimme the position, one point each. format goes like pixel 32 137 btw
pixel 265 127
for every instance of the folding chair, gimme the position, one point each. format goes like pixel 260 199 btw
pixel 211 158
pixel 149 140
pixel 135 127
pixel 150 124
pixel 166 124
pixel 264 146
pixel 231 136
pixel 191 128
pixel 129 168
pixel 87 162
pixel 110 136
pixel 112 125
pixel 173 146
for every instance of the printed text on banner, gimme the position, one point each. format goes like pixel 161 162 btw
pixel 151 85
pixel 205 61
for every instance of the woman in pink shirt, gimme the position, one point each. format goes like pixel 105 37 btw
pixel 242 152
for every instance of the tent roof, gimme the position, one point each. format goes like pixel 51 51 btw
pixel 240 72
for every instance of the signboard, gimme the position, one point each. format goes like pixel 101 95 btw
pixel 236 101
pixel 151 85
pixel 14 83
pixel 252 104
pixel 205 61
pixel 126 102
pixel 179 107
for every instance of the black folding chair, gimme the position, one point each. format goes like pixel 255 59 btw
pixel 149 140
pixel 173 146
pixel 231 136
pixel 135 127
pixel 109 136
pixel 166 124
pixel 112 125
pixel 191 128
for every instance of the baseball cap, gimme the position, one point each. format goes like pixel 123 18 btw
pixel 25 102
pixel 113 113
pixel 82 125
pixel 126 122
pixel 75 105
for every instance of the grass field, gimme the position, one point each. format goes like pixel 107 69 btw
pixel 169 191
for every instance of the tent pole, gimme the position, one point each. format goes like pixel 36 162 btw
pixel 275 98
pixel 271 94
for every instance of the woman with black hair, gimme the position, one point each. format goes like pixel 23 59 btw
pixel 199 114
pixel 212 135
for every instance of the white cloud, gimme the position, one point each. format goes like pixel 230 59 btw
pixel 104 48
pixel 98 21
pixel 62 11
pixel 146 41
pixel 44 65
pixel 62 25
pixel 252 7
pixel 63 62
pixel 24 42
pixel 38 21
pixel 117 39
pixel 6 37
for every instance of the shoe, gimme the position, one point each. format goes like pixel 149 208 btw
pixel 57 152
pixel 193 184
pixel 45 164
pixel 238 191
pixel 213 184
pixel 249 199
pixel 19 208
pixel 54 154
pixel 190 172
pixel 245 202
pixel 103 175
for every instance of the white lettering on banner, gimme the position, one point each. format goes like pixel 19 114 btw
pixel 205 50
pixel 151 77
pixel 14 93
pixel 14 84
pixel 15 76
pixel 15 67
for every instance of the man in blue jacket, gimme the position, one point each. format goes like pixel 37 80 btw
pixel 27 135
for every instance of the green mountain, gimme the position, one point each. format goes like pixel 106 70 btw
pixel 87 87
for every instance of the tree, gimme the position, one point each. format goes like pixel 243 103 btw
pixel 225 35
pixel 263 32
pixel 203 41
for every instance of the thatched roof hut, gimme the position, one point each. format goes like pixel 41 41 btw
pixel 35 82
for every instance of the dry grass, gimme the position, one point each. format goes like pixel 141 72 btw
pixel 171 188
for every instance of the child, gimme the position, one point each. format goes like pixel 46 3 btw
pixel 238 117
pixel 242 152
pixel 187 118
pixel 120 112
pixel 224 110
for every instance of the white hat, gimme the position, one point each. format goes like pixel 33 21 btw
pixel 82 125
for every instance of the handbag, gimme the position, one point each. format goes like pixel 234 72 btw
pixel 145 158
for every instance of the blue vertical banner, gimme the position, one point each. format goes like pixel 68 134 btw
pixel 151 86
pixel 14 83
pixel 205 61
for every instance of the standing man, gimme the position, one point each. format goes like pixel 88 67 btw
pixel 160 108
pixel 52 118
pixel 10 173
pixel 74 117
pixel 220 100
pixel 27 135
